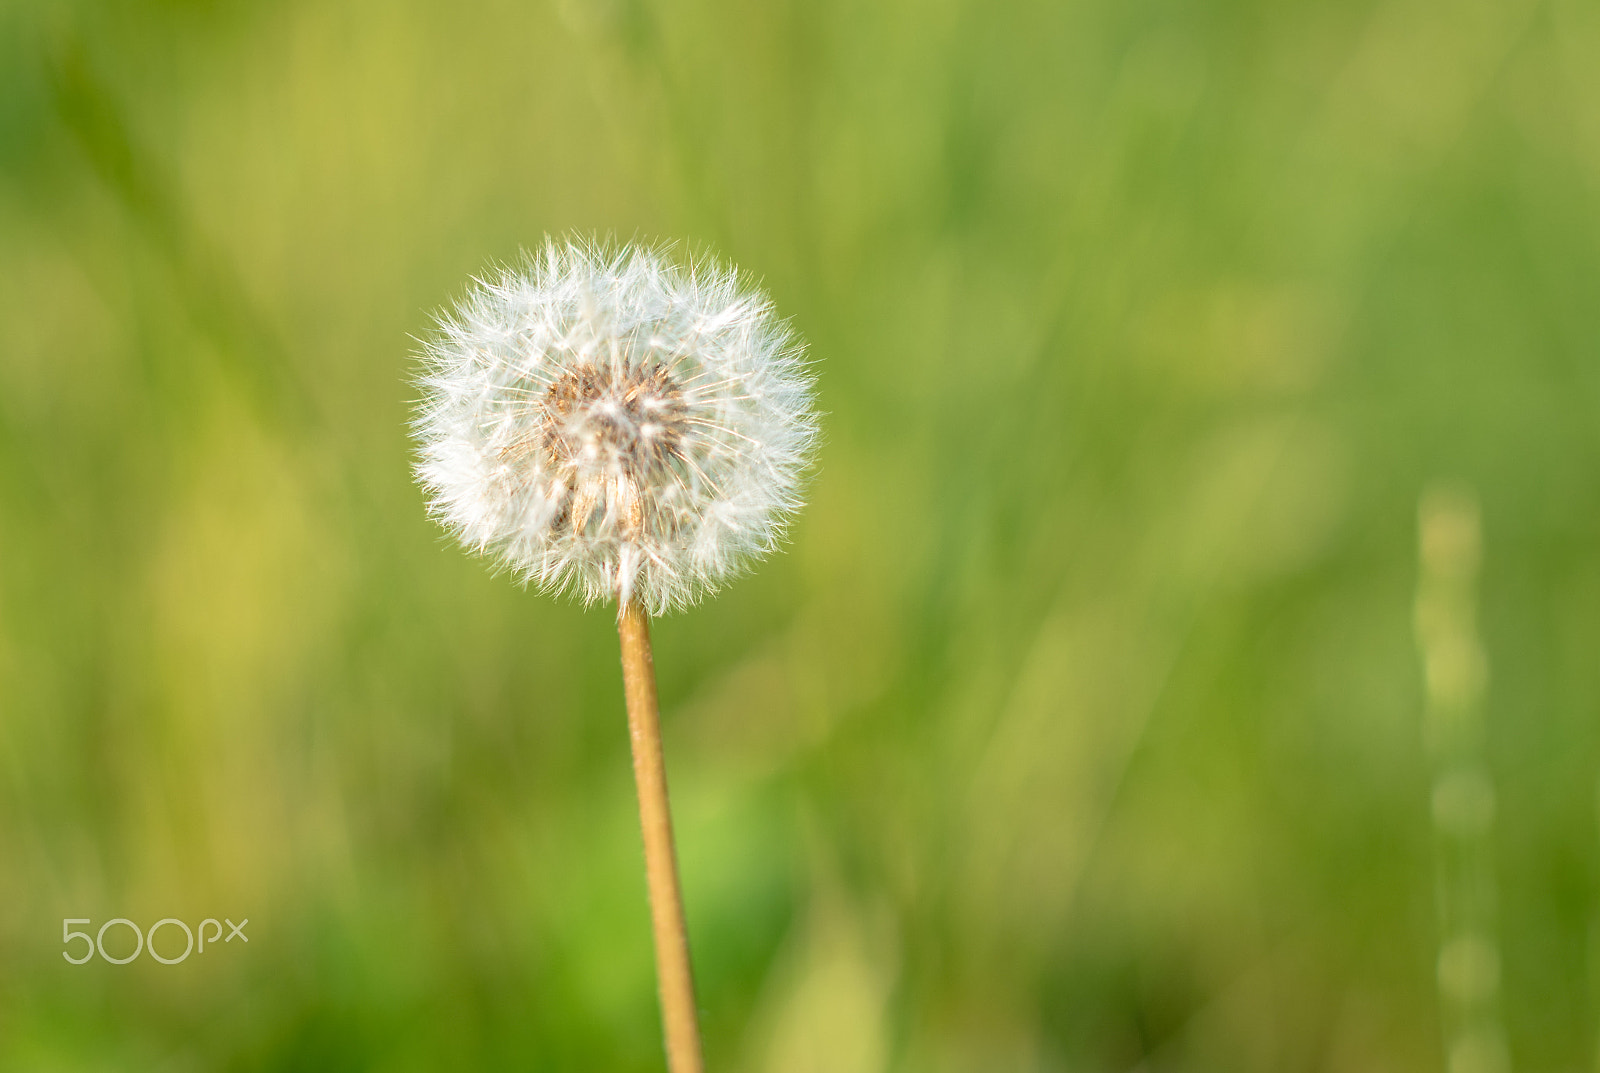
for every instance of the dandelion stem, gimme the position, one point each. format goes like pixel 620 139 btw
pixel 660 859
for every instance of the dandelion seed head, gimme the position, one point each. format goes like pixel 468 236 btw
pixel 606 422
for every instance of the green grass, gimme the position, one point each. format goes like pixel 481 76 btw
pixel 1079 728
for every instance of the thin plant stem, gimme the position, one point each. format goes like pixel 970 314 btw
pixel 660 859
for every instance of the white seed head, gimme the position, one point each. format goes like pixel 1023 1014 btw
pixel 608 423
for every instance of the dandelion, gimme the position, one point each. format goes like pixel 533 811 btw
pixel 606 423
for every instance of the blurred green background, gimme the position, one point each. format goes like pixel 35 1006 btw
pixel 1080 728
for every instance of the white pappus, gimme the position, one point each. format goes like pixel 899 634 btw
pixel 611 424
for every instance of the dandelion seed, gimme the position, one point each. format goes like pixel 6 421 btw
pixel 609 424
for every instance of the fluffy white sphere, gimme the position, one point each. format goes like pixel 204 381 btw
pixel 611 424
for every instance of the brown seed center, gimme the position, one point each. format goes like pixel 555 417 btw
pixel 612 440
pixel 624 424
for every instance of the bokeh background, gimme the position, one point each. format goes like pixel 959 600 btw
pixel 1082 726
